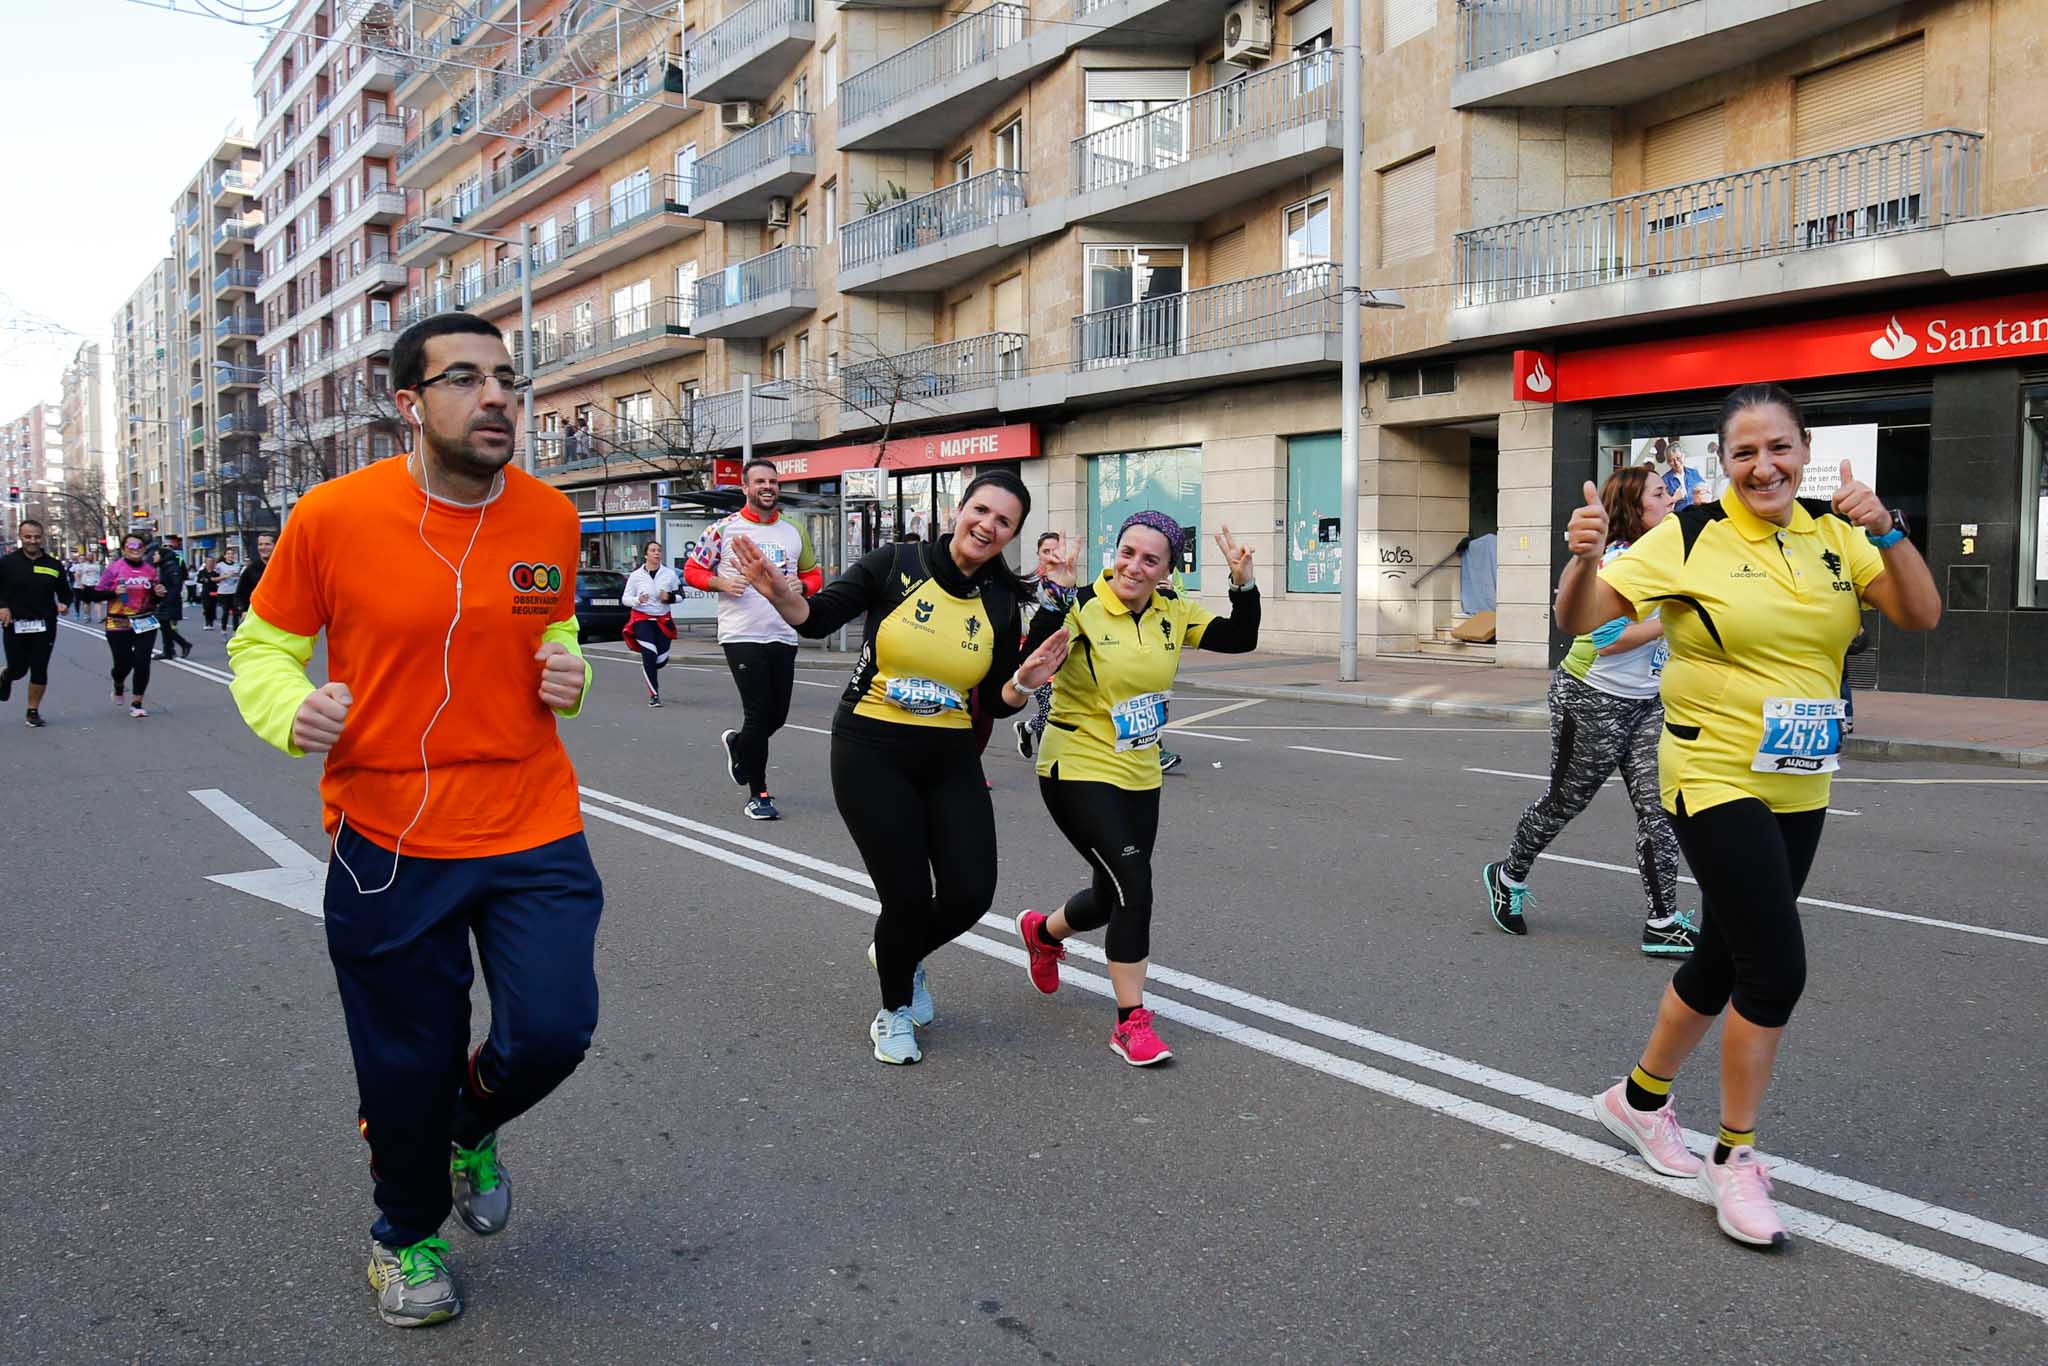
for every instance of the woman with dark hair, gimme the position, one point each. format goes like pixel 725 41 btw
pixel 649 590
pixel 1604 714
pixel 1760 595
pixel 942 622
pixel 1098 769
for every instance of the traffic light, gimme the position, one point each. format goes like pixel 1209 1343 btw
pixel 14 493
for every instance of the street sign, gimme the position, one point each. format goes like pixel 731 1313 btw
pixel 726 474
pixel 862 485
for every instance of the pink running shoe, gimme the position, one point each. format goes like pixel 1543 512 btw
pixel 1135 1043
pixel 1741 1191
pixel 1653 1133
pixel 1044 965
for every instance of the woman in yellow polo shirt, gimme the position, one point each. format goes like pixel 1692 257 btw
pixel 1760 595
pixel 1098 765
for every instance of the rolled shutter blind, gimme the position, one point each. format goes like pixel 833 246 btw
pixel 1866 99
pixel 1686 149
pixel 1408 209
pixel 1311 19
pixel 1010 305
pixel 1229 257
pixel 1137 85
pixel 1401 20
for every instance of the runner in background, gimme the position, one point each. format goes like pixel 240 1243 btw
pixel 1097 770
pixel 228 583
pixel 130 588
pixel 170 567
pixel 1760 595
pixel 209 588
pixel 650 588
pixel 1604 714
pixel 34 588
pixel 760 647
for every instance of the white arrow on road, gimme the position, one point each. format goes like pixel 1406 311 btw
pixel 297 879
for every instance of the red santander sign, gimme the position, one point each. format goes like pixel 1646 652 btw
pixel 1938 334
pixel 940 451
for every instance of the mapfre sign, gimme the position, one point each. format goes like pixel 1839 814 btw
pixel 982 446
pixel 1940 334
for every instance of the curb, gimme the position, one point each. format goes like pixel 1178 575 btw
pixel 1861 746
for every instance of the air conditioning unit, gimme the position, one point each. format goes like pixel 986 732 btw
pixel 778 211
pixel 740 114
pixel 1248 33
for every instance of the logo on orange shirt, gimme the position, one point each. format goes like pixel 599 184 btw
pixel 536 578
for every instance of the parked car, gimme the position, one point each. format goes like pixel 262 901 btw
pixel 600 615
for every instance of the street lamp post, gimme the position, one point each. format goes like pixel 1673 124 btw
pixel 525 245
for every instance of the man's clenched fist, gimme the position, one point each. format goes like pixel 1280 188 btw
pixel 562 672
pixel 321 716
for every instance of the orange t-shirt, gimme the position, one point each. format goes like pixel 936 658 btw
pixel 351 562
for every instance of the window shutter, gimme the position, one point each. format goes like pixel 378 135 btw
pixel 1401 20
pixel 1686 149
pixel 1229 257
pixel 1311 19
pixel 1408 209
pixel 1866 99
pixel 1137 85
pixel 1010 305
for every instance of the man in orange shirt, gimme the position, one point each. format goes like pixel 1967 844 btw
pixel 448 794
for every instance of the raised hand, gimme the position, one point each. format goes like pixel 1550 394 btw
pixel 1858 502
pixel 1585 535
pixel 1061 560
pixel 756 568
pixel 1035 672
pixel 562 674
pixel 317 726
pixel 1238 557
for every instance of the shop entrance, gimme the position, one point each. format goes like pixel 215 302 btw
pixel 1439 510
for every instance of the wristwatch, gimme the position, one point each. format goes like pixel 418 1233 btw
pixel 1894 536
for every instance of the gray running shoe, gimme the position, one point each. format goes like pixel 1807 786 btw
pixel 414 1286
pixel 923 1009
pixel 483 1188
pixel 895 1037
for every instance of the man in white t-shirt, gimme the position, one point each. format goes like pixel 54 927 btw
pixel 760 647
pixel 226 587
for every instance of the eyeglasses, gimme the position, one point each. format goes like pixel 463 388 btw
pixel 469 381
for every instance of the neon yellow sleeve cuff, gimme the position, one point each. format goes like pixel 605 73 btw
pixel 270 679
pixel 564 633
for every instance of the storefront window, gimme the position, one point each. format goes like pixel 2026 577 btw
pixel 2033 567
pixel 1315 541
pixel 1884 438
pixel 1168 481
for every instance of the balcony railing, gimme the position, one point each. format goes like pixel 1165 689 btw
pixel 234 180
pixel 715 419
pixel 235 230
pixel 242 424
pixel 749 27
pixel 1494 31
pixel 445 125
pixel 198 391
pixel 898 384
pixel 191 305
pixel 237 277
pixel 949 212
pixel 1280 97
pixel 785 135
pixel 952 50
pixel 227 376
pixel 669 317
pixel 238 325
pixel 1903 185
pixel 1289 303
pixel 785 268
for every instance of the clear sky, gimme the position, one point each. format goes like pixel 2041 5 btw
pixel 106 111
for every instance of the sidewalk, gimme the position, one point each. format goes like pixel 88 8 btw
pixel 1927 726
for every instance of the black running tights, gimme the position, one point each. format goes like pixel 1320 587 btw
pixel 131 656
pixel 765 674
pixel 916 804
pixel 1113 830
pixel 1751 864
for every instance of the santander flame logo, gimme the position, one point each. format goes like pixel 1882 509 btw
pixel 1539 380
pixel 1895 344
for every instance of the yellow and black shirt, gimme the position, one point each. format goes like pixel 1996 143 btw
pixel 1758 618
pixel 934 637
pixel 1109 700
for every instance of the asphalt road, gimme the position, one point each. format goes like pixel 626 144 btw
pixel 1370 1146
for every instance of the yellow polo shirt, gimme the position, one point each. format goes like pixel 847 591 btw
pixel 1109 700
pixel 1759 618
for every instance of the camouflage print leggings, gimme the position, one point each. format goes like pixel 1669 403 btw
pixel 1591 734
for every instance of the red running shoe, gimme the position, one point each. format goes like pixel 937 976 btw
pixel 1135 1043
pixel 1044 964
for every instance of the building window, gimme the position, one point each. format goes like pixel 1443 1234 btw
pixel 1401 20
pixel 686 173
pixel 1413 381
pixel 1308 232
pixel 828 74
pixel 1133 304
pixel 800 93
pixel 778 363
pixel 1010 146
pixel 803 226
pixel 1168 480
pixel 629 308
pixel 2033 575
pixel 963 167
pixel 630 196
pixel 828 203
pixel 1315 542
pixel 1407 222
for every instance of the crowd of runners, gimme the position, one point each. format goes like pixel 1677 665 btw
pixel 1707 670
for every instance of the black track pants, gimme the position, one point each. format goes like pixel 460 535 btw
pixel 1113 830
pixel 765 674
pixel 132 654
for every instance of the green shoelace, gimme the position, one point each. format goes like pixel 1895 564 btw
pixel 479 1164
pixel 423 1261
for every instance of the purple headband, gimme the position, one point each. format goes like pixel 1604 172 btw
pixel 1176 539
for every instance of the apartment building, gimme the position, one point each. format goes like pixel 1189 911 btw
pixel 30 461
pixel 1096 240
pixel 86 447
pixel 325 300
pixel 214 374
pixel 148 416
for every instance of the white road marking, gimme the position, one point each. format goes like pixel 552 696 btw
pixel 1350 753
pixel 298 879
pixel 1853 909
pixel 1208 735
pixel 1406 730
pixel 1950 782
pixel 815 730
pixel 1857 1241
pixel 1532 777
pixel 1838 811
pixel 1214 711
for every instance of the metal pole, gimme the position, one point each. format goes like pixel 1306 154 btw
pixel 746 420
pixel 526 337
pixel 1348 317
